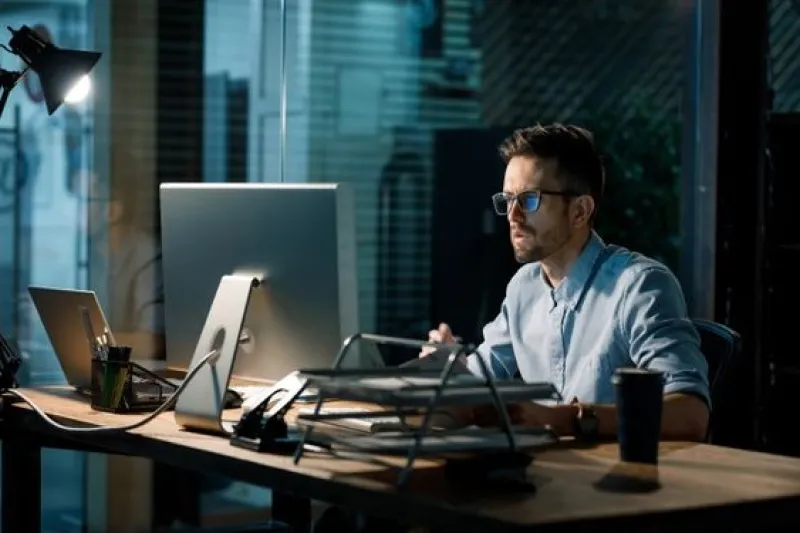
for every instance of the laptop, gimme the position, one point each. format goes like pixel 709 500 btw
pixel 60 311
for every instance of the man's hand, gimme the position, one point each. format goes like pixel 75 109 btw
pixel 443 335
pixel 561 418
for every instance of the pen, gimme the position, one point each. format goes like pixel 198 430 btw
pixel 110 336
pixel 102 346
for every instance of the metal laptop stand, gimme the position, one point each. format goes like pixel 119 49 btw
pixel 402 391
pixel 201 403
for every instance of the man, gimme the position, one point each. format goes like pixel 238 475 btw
pixel 132 261
pixel 578 308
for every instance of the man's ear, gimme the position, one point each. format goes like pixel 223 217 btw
pixel 584 210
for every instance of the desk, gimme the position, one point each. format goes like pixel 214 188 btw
pixel 700 483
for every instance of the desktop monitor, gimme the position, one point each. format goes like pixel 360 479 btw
pixel 300 237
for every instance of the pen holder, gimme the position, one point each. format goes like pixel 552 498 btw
pixel 125 387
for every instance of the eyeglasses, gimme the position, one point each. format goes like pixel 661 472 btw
pixel 529 201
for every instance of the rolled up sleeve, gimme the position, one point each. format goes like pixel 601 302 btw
pixel 660 334
pixel 496 349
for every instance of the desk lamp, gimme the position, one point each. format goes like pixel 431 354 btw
pixel 63 74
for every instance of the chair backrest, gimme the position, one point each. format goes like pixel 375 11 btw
pixel 719 344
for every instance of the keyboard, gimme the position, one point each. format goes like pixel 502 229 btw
pixel 374 424
pixel 248 391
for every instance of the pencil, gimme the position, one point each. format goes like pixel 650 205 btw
pixel 119 387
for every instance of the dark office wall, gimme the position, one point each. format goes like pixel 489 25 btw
pixel 782 257
pixel 741 209
pixel 180 85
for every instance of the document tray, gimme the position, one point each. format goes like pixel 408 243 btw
pixel 468 440
pixel 397 387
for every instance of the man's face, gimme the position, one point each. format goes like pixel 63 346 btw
pixel 539 234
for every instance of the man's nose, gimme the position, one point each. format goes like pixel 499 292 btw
pixel 515 212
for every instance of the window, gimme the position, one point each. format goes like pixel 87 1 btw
pixel 784 70
pixel 408 100
pixel 43 164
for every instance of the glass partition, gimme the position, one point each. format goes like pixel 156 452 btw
pixel 407 101
pixel 43 231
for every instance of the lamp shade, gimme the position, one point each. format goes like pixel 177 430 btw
pixel 59 70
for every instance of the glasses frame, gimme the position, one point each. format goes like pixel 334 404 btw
pixel 511 199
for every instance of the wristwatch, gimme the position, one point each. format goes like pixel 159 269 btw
pixel 586 425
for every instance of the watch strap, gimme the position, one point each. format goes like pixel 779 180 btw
pixel 586 423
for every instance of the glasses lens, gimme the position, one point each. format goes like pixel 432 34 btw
pixel 529 201
pixel 500 203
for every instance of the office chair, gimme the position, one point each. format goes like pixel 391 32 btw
pixel 720 345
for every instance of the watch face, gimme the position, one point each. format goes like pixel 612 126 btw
pixel 588 426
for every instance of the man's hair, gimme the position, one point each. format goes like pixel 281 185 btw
pixel 579 167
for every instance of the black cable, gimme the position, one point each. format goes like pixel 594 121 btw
pixel 10 361
pixel 127 427
pixel 265 403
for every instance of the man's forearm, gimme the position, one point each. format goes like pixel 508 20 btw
pixel 684 417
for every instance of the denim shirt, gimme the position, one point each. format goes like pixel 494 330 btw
pixel 615 308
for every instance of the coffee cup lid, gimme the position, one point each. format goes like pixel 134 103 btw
pixel 633 372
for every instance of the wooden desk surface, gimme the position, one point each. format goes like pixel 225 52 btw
pixel 697 482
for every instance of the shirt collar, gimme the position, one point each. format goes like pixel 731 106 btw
pixel 574 285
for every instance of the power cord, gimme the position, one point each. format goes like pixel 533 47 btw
pixel 128 427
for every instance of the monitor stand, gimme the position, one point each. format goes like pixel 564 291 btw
pixel 202 401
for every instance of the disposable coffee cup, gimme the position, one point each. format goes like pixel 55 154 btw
pixel 640 398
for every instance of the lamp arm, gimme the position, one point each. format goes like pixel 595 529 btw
pixel 8 80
